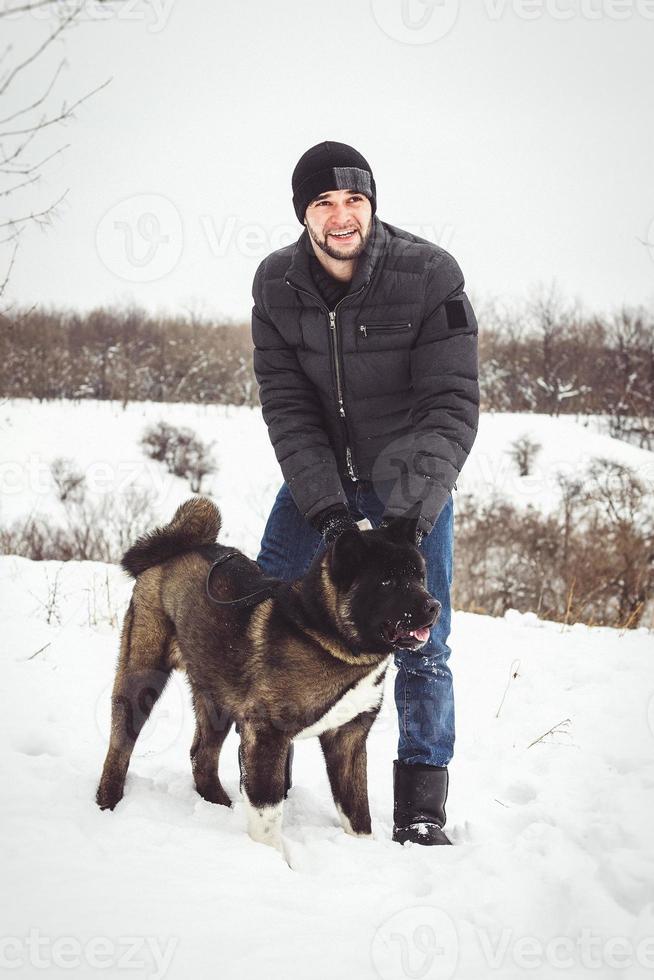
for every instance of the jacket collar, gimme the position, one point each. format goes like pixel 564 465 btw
pixel 299 271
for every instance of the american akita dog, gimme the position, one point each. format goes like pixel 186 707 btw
pixel 282 660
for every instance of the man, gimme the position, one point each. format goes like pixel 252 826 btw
pixel 366 359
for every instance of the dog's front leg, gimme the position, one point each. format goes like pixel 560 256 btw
pixel 263 758
pixel 344 749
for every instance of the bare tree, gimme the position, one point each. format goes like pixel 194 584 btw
pixel 27 123
pixel 630 386
pixel 557 378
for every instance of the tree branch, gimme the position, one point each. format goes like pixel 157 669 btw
pixel 35 54
pixel 28 170
pixel 35 216
pixel 38 102
pixel 64 114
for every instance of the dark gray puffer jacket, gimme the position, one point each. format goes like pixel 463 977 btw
pixel 382 388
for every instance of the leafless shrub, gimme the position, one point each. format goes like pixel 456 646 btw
pixel 183 453
pixel 591 561
pixel 51 604
pixel 70 483
pixel 158 441
pixel 523 452
pixel 91 531
pixel 194 461
pixel 29 538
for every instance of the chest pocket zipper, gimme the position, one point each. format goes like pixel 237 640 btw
pixel 365 329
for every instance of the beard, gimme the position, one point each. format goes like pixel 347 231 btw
pixel 344 252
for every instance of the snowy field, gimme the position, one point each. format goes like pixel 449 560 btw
pixel 102 439
pixel 552 785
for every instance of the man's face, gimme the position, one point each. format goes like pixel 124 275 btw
pixel 340 211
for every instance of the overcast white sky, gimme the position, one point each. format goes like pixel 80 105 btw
pixel 518 134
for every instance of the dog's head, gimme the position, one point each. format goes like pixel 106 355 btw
pixel 380 579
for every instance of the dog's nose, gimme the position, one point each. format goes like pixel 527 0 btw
pixel 432 608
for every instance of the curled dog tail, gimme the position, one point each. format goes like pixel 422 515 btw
pixel 196 522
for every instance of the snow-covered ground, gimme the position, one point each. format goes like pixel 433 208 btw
pixel 552 874
pixel 552 785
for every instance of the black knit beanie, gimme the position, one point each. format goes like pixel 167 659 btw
pixel 331 167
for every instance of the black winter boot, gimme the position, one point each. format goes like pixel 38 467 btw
pixel 288 780
pixel 420 792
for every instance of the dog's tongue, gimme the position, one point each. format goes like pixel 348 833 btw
pixel 422 634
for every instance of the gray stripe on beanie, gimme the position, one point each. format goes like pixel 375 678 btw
pixel 352 178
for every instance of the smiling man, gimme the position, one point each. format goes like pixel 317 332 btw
pixel 366 359
pixel 340 223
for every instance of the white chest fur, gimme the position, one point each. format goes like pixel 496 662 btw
pixel 363 696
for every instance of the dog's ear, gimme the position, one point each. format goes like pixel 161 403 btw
pixel 347 555
pixel 402 529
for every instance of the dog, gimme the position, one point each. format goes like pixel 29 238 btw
pixel 281 660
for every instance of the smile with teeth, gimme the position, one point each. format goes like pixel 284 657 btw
pixel 343 234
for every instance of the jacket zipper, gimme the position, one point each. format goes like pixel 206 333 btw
pixel 365 329
pixel 339 389
pixel 339 386
pixel 349 459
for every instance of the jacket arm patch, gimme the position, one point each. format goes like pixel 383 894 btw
pixel 455 312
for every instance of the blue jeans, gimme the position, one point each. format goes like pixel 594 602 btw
pixel 423 687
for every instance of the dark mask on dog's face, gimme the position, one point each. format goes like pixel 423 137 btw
pixel 381 575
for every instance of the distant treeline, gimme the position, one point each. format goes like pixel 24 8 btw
pixel 556 360
pixel 541 358
pixel 126 355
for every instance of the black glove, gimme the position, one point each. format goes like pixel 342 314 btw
pixel 419 534
pixel 333 521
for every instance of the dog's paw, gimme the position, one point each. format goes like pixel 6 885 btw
pixel 108 796
pixel 214 794
pixel 364 831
